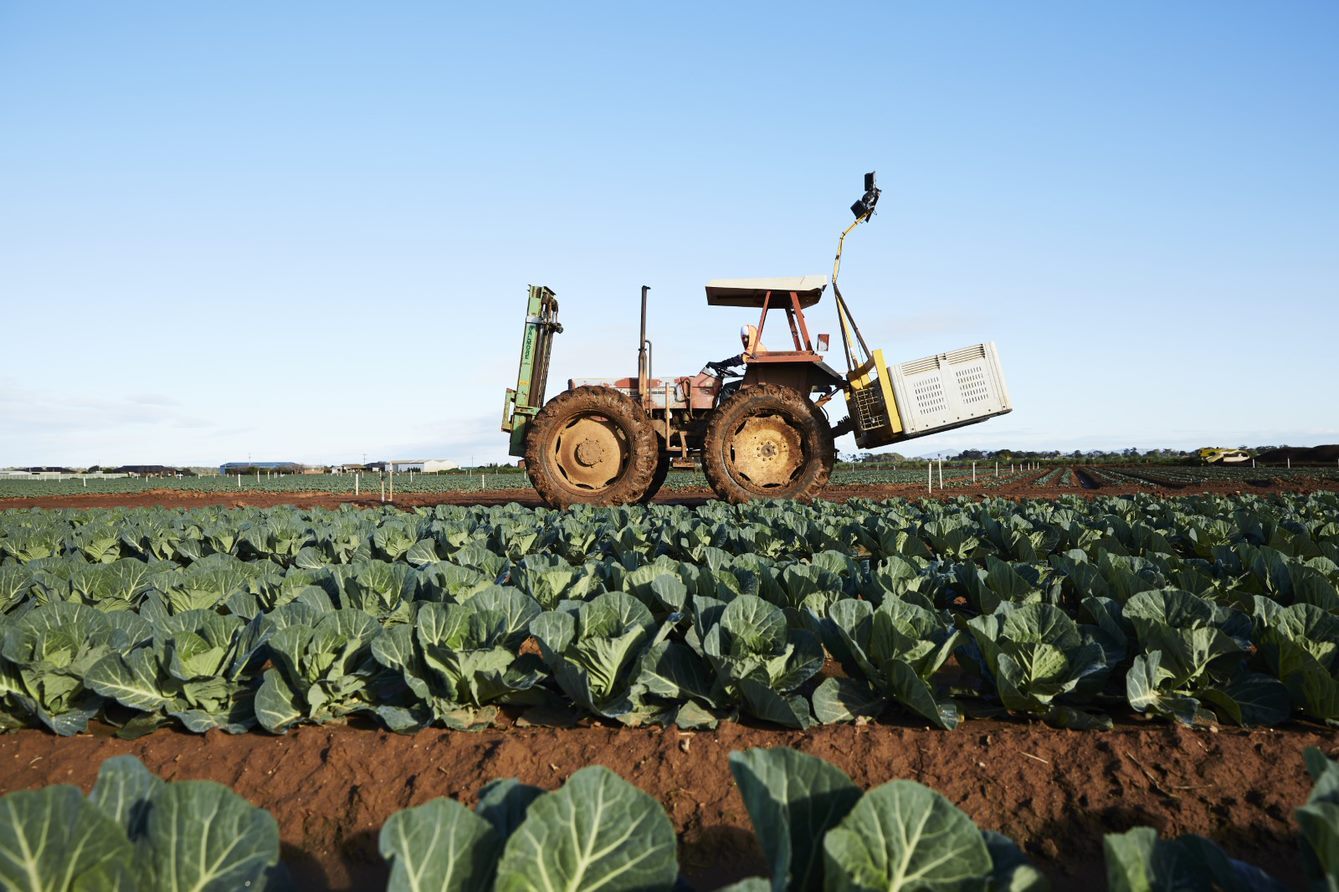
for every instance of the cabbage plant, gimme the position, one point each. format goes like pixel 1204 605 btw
pixel 889 653
pixel 191 669
pixel 460 659
pixel 135 831
pixel 1300 646
pixel 323 669
pixel 382 590
pixel 819 832
pixel 759 662
pixel 451 583
pixel 1194 653
pixel 550 579
pixel 1037 656
pixel 1318 820
pixel 116 585
pixel 1138 860
pixel 595 832
pixel 593 647
pixel 44 658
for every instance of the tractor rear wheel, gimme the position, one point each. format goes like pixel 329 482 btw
pixel 768 442
pixel 592 446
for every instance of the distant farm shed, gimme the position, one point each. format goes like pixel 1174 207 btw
pixel 152 471
pixel 424 465
pixel 242 467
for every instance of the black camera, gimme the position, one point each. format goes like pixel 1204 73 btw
pixel 864 208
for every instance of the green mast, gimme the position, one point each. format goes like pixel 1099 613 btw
pixel 527 398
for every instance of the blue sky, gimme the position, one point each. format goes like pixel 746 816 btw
pixel 305 231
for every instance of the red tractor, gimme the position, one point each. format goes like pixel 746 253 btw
pixel 757 422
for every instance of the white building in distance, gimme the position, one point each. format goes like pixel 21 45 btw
pixel 422 465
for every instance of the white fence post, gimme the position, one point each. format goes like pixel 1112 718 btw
pixel 355 483
pixel 929 476
pixel 973 472
pixel 941 473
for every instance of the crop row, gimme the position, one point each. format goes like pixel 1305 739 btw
pixel 1178 476
pixel 1049 477
pixel 1105 476
pixel 416 484
pixel 1271 472
pixel 1057 476
pixel 368 485
pixel 1199 609
pixel 493 480
pixel 953 476
pixel 815 827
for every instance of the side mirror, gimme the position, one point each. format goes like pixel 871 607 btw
pixel 822 343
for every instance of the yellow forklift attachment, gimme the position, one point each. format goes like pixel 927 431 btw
pixel 870 403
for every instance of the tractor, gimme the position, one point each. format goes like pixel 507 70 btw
pixel 757 422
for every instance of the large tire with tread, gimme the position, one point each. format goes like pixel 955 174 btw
pixel 592 446
pixel 768 442
pixel 662 472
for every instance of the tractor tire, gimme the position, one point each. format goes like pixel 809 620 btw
pixel 662 471
pixel 768 442
pixel 591 446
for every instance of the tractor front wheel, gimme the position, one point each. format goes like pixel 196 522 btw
pixel 768 442
pixel 662 472
pixel 592 446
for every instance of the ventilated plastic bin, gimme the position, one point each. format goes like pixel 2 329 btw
pixel 949 390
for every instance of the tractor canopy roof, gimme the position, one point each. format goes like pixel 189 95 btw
pixel 751 292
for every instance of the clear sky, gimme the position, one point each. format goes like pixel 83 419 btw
pixel 304 231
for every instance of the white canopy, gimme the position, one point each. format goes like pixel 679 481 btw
pixel 751 292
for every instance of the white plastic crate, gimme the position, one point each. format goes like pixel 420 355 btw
pixel 949 389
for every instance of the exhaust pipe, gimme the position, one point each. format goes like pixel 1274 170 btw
pixel 643 357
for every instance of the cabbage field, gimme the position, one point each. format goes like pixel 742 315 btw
pixel 1199 610
pixel 1080 613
